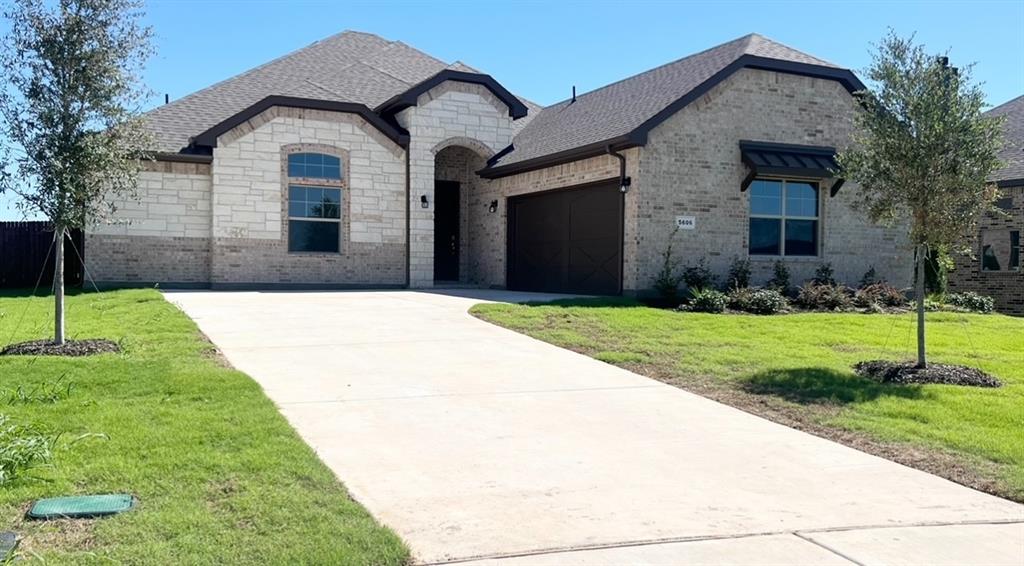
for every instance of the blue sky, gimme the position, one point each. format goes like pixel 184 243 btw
pixel 541 49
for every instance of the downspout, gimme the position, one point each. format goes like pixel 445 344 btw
pixel 624 184
pixel 624 181
pixel 408 220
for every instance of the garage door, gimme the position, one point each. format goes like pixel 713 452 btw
pixel 567 241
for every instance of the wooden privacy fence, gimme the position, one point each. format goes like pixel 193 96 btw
pixel 26 252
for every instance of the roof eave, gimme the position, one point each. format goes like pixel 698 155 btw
pixel 638 136
pixel 1006 183
pixel 209 137
pixel 399 102
pixel 550 160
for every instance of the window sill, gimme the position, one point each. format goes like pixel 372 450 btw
pixel 1000 273
pixel 313 254
pixel 785 258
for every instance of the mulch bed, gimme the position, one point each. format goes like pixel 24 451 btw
pixel 906 372
pixel 68 348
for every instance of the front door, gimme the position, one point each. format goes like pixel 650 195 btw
pixel 446 231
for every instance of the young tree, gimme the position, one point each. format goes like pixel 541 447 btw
pixel 922 153
pixel 70 132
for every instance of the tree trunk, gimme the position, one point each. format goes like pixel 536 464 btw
pixel 58 287
pixel 919 293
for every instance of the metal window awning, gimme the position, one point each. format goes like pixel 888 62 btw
pixel 789 160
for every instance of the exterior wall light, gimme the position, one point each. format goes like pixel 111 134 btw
pixel 493 207
pixel 423 201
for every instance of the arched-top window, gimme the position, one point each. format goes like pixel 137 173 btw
pixel 315 186
pixel 314 166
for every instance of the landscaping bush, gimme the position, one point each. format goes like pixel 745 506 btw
pixel 825 275
pixel 757 301
pixel 879 294
pixel 870 278
pixel 667 281
pixel 816 296
pixel 22 447
pixel 708 300
pixel 739 274
pixel 780 278
pixel 971 301
pixel 698 276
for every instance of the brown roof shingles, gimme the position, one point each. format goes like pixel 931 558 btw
pixel 619 108
pixel 1012 154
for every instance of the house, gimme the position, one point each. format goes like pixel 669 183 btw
pixel 362 162
pixel 993 266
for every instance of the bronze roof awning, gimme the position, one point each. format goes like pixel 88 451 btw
pixel 789 160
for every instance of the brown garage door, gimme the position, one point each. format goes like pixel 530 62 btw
pixel 567 241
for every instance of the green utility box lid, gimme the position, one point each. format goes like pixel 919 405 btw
pixel 8 542
pixel 81 507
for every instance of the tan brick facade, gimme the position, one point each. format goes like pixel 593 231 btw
pixel 1006 286
pixel 691 166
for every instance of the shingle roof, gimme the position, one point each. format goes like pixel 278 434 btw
pixel 1013 135
pixel 619 108
pixel 348 67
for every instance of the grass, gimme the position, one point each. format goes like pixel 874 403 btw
pixel 796 369
pixel 221 476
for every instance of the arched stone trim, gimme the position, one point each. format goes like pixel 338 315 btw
pixel 346 200
pixel 477 147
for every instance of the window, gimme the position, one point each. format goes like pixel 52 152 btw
pixel 314 210
pixel 1000 250
pixel 783 218
pixel 314 166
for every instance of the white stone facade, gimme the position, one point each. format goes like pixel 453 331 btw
pixel 452 113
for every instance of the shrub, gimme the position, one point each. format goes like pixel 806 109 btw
pixel 757 301
pixel 879 294
pixel 22 448
pixel 815 296
pixel 698 276
pixel 825 275
pixel 739 274
pixel 870 278
pixel 667 281
pixel 780 278
pixel 971 301
pixel 708 300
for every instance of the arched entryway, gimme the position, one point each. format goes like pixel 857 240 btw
pixel 460 213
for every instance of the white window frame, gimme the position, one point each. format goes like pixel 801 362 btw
pixel 783 217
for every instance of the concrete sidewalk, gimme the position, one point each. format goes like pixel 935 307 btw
pixel 474 442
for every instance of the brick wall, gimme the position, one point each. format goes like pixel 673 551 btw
pixel 1006 287
pixel 691 166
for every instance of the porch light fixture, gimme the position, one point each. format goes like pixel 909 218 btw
pixel 423 201
pixel 493 207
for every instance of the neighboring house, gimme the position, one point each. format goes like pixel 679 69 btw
pixel 993 266
pixel 359 161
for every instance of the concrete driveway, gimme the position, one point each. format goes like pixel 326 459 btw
pixel 478 444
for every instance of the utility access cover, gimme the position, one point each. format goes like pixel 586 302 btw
pixel 81 507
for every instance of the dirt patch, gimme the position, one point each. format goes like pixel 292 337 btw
pixel 68 348
pixel 906 372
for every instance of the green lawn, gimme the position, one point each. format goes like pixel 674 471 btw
pixel 221 476
pixel 797 369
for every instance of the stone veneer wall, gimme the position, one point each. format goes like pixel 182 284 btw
pixel 452 113
pixel 1006 287
pixel 162 236
pixel 691 166
pixel 249 203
